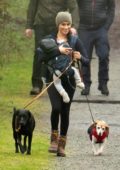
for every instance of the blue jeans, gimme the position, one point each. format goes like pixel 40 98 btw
pixel 98 39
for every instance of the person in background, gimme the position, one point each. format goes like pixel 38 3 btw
pixel 61 110
pixel 96 17
pixel 40 18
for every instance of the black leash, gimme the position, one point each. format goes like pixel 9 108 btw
pixel 79 68
pixel 90 109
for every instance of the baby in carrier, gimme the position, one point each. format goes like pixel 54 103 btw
pixel 60 63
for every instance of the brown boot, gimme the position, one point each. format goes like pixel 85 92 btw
pixel 61 146
pixel 54 142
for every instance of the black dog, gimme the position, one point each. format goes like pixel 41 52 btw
pixel 23 123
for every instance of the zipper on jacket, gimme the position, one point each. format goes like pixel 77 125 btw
pixel 93 8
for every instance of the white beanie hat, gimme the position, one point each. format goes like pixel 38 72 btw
pixel 63 16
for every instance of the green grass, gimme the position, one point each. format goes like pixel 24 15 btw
pixel 12 30
pixel 16 55
pixel 15 84
pixel 17 8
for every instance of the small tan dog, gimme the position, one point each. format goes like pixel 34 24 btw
pixel 98 133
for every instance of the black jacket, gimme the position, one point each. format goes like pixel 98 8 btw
pixel 55 59
pixel 74 42
pixel 96 13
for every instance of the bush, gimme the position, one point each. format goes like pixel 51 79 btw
pixel 12 25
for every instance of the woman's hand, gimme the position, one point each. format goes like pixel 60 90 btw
pixel 64 50
pixel 76 55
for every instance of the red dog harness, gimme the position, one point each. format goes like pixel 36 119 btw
pixel 99 139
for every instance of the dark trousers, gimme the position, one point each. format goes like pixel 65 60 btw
pixel 60 110
pixel 98 39
pixel 39 69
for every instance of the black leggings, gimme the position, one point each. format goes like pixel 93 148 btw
pixel 60 110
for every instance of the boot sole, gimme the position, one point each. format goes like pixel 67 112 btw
pixel 61 155
pixel 85 92
pixel 106 94
pixel 52 151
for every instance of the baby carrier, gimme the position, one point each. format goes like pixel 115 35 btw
pixel 55 62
